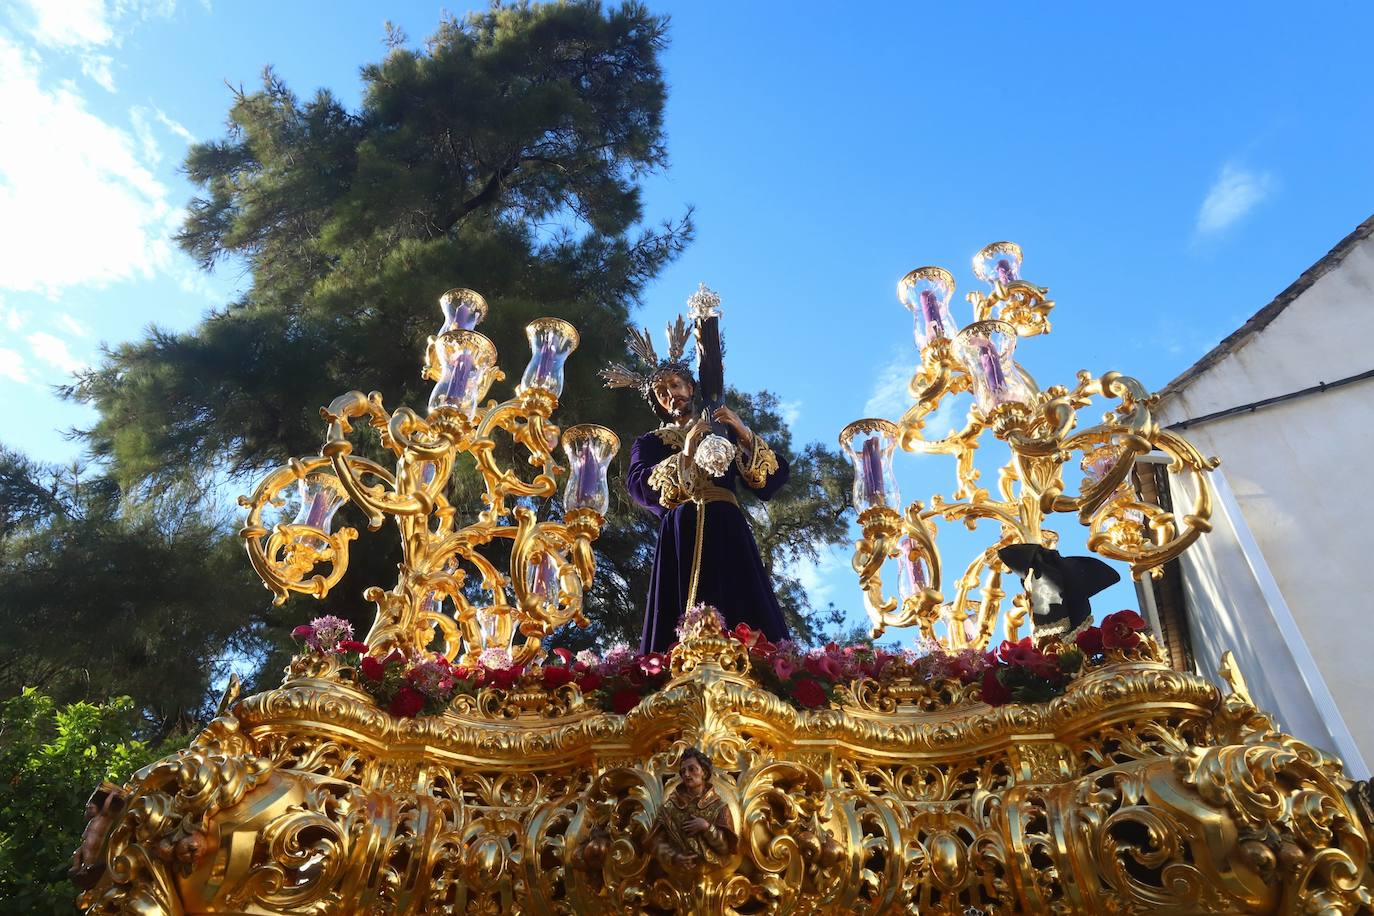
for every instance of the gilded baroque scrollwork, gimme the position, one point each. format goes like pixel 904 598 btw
pixel 1140 790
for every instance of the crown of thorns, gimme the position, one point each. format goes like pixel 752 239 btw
pixel 703 304
pixel 651 368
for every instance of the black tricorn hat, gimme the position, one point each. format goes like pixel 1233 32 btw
pixel 1063 606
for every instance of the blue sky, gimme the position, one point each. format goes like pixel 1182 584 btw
pixel 1167 168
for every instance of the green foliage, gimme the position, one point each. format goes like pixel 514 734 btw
pixel 100 599
pixel 506 155
pixel 51 758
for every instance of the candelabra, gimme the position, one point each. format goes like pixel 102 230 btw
pixel 551 562
pixel 1042 431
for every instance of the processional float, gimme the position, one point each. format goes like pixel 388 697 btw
pixel 934 784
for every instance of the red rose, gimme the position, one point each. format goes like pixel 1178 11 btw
pixel 1120 630
pixel 625 700
pixel 407 703
pixel 351 645
pixel 564 655
pixel 744 633
pixel 823 666
pixel 556 676
pixel 589 682
pixel 1090 640
pixel 968 667
pixel 652 664
pixel 809 693
pixel 505 678
pixel 995 692
pixel 372 668
pixel 1020 653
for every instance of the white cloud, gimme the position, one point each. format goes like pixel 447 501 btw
pixel 80 205
pixel 174 126
pixel 54 350
pixel 72 325
pixel 97 67
pixel 817 577
pixel 1235 193
pixel 12 366
pixel 790 411
pixel 14 319
pixel 890 396
pixel 70 23
pixel 144 132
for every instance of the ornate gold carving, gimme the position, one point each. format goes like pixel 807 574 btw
pixel 439 554
pixel 1141 789
pixel 1043 434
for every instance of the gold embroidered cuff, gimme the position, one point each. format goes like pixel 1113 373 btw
pixel 666 478
pixel 761 462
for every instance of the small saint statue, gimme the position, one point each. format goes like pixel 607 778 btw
pixel 693 828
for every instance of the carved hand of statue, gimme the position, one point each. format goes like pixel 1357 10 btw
pixel 731 419
pixel 695 433
pixel 696 825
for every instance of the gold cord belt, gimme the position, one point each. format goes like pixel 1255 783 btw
pixel 706 495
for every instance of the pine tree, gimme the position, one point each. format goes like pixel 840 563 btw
pixel 506 156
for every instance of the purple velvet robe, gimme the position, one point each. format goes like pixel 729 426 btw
pixel 732 578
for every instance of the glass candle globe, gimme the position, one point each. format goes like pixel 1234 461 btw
pixel 590 449
pixel 321 497
pixel 466 361
pixel 551 340
pixel 998 263
pixel 986 349
pixel 926 291
pixel 870 444
pixel 463 310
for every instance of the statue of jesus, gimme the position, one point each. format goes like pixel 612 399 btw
pixel 687 476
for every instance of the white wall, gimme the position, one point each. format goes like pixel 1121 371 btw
pixel 1301 470
pixel 1235 605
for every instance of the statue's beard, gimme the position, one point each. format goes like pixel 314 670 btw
pixel 681 410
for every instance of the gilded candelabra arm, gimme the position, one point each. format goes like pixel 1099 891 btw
pixel 525 418
pixel 352 405
pixel 1016 617
pixel 883 529
pixel 1171 539
pixel 583 526
pixel 1023 305
pixel 286 555
pixel 987 606
pixel 393 496
pixel 947 381
pixel 881 526
pixel 567 547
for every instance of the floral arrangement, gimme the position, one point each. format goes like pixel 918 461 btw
pixel 425 683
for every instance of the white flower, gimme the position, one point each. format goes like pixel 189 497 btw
pixel 495 659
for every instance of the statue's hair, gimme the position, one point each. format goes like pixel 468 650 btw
pixel 693 753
